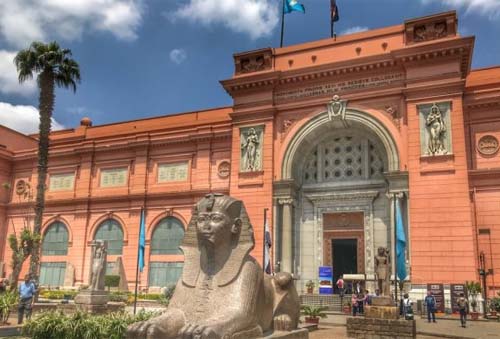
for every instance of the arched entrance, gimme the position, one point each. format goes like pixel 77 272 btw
pixel 332 204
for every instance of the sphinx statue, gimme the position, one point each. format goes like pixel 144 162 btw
pixel 223 292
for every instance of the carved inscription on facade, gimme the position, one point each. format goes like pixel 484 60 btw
pixel 488 145
pixel 62 182
pixel 338 87
pixel 114 177
pixel 251 139
pixel 435 129
pixel 173 172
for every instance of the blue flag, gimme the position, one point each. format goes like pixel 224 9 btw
pixel 142 240
pixel 290 6
pixel 400 244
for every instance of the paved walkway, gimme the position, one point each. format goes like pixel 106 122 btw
pixel 444 328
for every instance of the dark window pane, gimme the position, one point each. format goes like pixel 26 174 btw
pixel 111 231
pixel 167 237
pixel 55 240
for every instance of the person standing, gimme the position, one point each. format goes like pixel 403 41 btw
pixel 340 286
pixel 27 290
pixel 463 307
pixel 430 303
pixel 354 303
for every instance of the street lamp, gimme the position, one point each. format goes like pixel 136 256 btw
pixel 483 274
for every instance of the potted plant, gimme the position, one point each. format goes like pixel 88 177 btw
pixel 473 290
pixel 495 305
pixel 313 313
pixel 310 286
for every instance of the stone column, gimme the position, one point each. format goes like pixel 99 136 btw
pixel 287 235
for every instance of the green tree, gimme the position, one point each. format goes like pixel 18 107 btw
pixel 53 66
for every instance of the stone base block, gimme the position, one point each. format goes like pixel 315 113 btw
pixel 301 333
pixel 87 297
pixel 382 312
pixel 365 328
pixel 382 301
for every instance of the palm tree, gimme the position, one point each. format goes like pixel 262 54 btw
pixel 53 66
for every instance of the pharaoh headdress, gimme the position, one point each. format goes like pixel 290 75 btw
pixel 241 244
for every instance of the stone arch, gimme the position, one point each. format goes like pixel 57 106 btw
pixel 66 223
pixel 103 218
pixel 170 232
pixel 353 115
pixel 153 223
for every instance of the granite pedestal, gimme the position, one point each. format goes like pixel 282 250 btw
pixel 92 301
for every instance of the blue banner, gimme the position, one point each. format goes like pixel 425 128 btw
pixel 325 280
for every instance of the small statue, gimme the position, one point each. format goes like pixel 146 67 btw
pixel 223 292
pixel 437 129
pixel 99 262
pixel 383 270
pixel 251 145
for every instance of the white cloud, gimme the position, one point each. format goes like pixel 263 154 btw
pixel 355 29
pixel 23 21
pixel 9 83
pixel 257 18
pixel 178 55
pixel 24 119
pixel 490 8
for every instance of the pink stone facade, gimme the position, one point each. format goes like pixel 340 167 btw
pixel 387 77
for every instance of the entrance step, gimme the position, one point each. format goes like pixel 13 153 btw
pixel 332 301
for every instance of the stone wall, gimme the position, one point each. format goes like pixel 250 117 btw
pixel 380 328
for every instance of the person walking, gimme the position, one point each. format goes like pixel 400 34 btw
pixel 463 307
pixel 430 303
pixel 340 286
pixel 27 290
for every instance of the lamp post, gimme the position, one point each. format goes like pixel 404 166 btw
pixel 483 274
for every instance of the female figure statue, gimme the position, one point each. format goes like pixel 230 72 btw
pixel 251 145
pixel 437 129
pixel 98 271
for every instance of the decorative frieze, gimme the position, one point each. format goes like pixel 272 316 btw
pixel 113 177
pixel 61 182
pixel 435 129
pixel 488 145
pixel 251 139
pixel 173 172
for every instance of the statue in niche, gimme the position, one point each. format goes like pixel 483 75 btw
pixel 437 128
pixel 223 292
pixel 251 146
pixel 99 262
pixel 383 270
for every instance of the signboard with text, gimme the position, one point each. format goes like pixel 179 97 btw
pixel 455 290
pixel 438 293
pixel 325 280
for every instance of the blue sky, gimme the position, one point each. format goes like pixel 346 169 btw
pixel 143 58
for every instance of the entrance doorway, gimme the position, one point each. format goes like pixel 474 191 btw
pixel 344 257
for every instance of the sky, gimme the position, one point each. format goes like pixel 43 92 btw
pixel 145 58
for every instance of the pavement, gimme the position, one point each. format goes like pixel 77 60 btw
pixel 333 326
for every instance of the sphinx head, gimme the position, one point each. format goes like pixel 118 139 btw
pixel 218 219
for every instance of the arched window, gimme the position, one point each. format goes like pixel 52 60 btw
pixel 55 240
pixel 111 231
pixel 167 237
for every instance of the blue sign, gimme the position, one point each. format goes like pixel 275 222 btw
pixel 325 280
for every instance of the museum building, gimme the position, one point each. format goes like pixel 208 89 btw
pixel 328 136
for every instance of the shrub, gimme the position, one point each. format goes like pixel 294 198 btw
pixel 314 311
pixel 58 294
pixel 7 301
pixel 111 281
pixel 82 325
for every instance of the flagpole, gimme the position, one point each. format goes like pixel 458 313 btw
pixel 264 244
pixel 137 267
pixel 395 251
pixel 282 21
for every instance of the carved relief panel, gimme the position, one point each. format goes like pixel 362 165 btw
pixel 251 142
pixel 435 129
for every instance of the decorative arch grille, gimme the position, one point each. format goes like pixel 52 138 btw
pixel 343 158
pixel 55 240
pixel 111 231
pixel 167 237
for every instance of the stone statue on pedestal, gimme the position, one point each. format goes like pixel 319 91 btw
pixel 383 270
pixel 99 261
pixel 223 292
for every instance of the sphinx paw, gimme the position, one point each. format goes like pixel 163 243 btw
pixel 145 330
pixel 282 322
